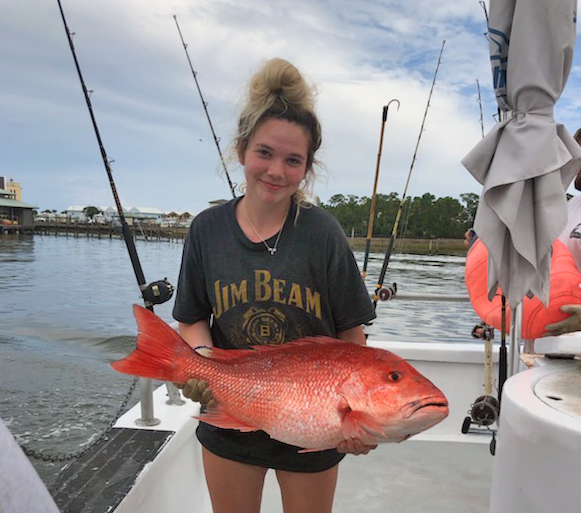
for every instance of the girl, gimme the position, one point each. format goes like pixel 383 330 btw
pixel 267 268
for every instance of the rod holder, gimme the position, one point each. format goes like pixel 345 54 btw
pixel 146 396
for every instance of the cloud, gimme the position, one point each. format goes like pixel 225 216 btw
pixel 360 55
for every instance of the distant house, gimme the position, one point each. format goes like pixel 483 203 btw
pixel 146 214
pixel 177 218
pixel 76 212
pixel 15 213
pixel 111 213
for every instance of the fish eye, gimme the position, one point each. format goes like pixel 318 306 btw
pixel 394 376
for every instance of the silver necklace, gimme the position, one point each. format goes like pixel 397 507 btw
pixel 271 250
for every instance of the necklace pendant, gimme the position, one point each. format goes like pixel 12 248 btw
pixel 272 251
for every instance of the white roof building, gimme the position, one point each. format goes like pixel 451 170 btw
pixel 76 211
pixel 148 211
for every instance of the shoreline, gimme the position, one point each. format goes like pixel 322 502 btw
pixel 170 234
pixel 413 246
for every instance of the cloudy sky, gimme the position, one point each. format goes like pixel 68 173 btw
pixel 361 54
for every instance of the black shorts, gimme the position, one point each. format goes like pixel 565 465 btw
pixel 257 448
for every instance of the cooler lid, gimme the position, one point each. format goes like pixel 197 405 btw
pixel 561 391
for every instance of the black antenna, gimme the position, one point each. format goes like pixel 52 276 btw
pixel 205 105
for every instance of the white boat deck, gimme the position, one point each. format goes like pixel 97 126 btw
pixel 411 477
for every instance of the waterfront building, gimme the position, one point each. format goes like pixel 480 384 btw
pixel 149 214
pixel 14 214
pixel 177 218
pixel 76 212
pixel 13 188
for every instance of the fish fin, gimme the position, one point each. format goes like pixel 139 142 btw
pixel 358 424
pixel 158 348
pixel 219 417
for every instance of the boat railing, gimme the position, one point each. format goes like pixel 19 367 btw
pixel 431 297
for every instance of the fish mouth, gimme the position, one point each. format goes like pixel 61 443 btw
pixel 433 404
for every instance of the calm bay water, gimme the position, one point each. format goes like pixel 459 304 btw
pixel 65 313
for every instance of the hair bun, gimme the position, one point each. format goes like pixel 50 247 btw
pixel 280 79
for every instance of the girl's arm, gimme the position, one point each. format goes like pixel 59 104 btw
pixel 197 334
pixel 354 335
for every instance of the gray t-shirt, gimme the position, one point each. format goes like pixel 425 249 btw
pixel 310 286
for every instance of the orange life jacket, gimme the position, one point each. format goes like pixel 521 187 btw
pixel 565 289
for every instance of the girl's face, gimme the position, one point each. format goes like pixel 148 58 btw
pixel 275 161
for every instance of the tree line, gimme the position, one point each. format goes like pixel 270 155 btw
pixel 423 217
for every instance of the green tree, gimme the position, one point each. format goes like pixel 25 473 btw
pixel 470 200
pixel 423 217
pixel 91 211
pixel 448 218
pixel 336 201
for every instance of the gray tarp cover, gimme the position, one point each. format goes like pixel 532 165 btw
pixel 525 163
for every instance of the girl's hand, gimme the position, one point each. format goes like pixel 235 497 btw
pixel 197 390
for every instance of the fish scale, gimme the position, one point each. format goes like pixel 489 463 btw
pixel 312 393
pixel 274 399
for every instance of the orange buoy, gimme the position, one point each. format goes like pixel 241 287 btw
pixel 565 289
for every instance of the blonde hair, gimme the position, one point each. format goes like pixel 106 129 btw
pixel 278 90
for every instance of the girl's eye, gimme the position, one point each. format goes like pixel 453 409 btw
pixel 294 162
pixel 394 376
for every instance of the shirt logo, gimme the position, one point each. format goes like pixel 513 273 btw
pixel 264 326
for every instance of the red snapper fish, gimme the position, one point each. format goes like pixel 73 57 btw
pixel 313 393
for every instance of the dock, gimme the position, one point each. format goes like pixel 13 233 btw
pixel 156 232
pixel 7 226
pixel 145 231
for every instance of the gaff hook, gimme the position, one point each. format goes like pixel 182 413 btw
pixel 394 100
pixel 374 194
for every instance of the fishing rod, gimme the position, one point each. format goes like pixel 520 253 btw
pixel 205 105
pixel 378 289
pixel 485 410
pixel 155 293
pixel 374 195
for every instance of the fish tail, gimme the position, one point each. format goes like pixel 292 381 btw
pixel 159 348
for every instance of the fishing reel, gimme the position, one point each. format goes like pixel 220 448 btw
pixel 157 292
pixel 483 413
pixel 483 331
pixel 388 292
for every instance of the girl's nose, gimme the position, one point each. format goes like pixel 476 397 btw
pixel 276 168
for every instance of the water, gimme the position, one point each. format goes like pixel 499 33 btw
pixel 65 313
